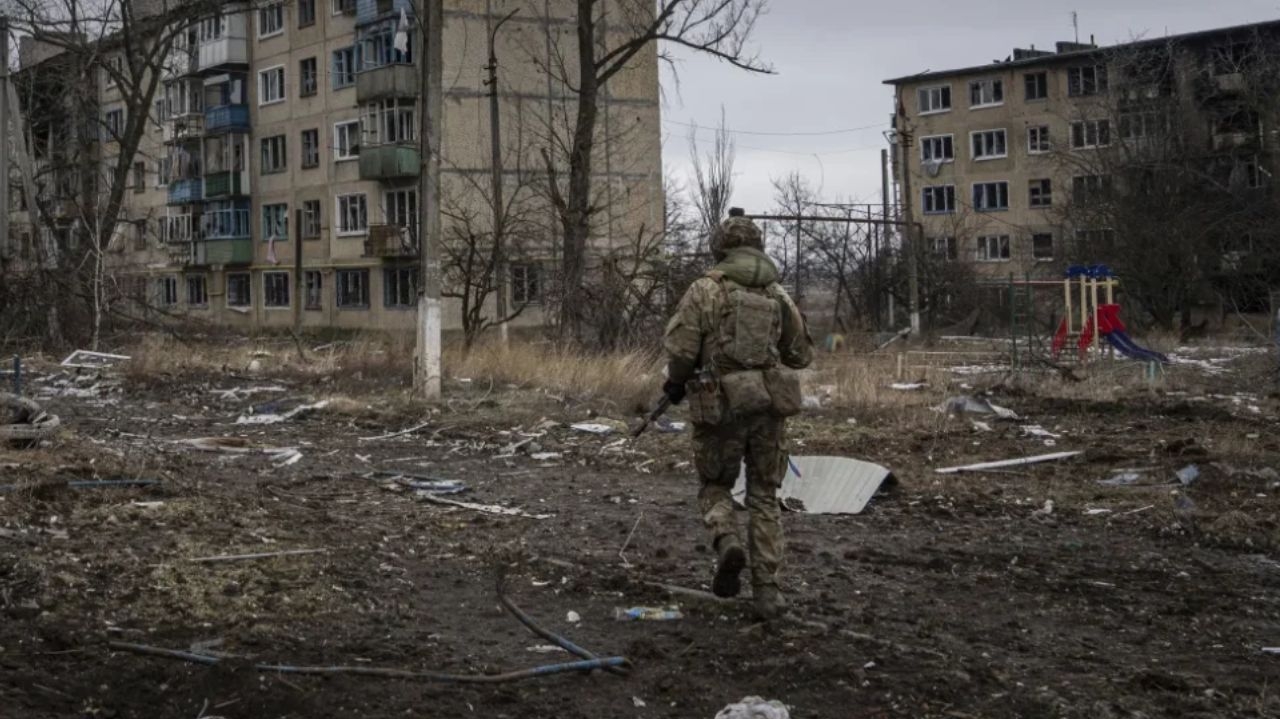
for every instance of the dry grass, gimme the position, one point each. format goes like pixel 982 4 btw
pixel 626 378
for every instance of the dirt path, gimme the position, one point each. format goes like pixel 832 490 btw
pixel 950 597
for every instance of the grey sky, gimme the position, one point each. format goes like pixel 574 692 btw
pixel 832 55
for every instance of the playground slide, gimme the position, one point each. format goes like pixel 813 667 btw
pixel 1125 345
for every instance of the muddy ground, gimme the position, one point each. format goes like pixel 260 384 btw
pixel 950 596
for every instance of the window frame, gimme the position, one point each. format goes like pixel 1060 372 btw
pixel 1100 128
pixel 944 141
pixel 350 57
pixel 341 294
pixel 339 211
pixel 168 291
pixel 1040 193
pixel 393 279
pixel 1101 80
pixel 311 88
pixel 1045 144
pixel 281 163
pixel 929 197
pixel 982 206
pixel 278 8
pixel 273 303
pixel 950 248
pixel 310 155
pixel 263 84
pixel 531 270
pixel 929 89
pixel 248 289
pixel 348 156
pixel 992 83
pixel 1040 81
pixel 309 219
pixel 202 282
pixel 1003 246
pixel 993 133
pixel 281 210
pixel 1035 254
pixel 306 19
pixel 313 290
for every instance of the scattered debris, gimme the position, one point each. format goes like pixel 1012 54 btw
pixel 1188 475
pixel 26 422
pixel 401 433
pixel 260 555
pixel 84 359
pixel 573 617
pixel 1044 511
pixel 486 508
pixel 240 445
pixel 1035 430
pixel 1009 463
pixel 968 404
pixel 1271 650
pixel 96 484
pixel 597 428
pixel 545 456
pixel 1124 479
pixel 1096 512
pixel 647 614
pixel 236 394
pixel 831 485
pixel 638 702
pixel 981 426
pixel 908 386
pixel 276 418
pixel 1266 473
pixel 755 708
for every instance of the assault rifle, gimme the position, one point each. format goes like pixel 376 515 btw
pixel 663 405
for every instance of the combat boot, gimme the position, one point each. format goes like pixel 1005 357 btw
pixel 768 601
pixel 730 564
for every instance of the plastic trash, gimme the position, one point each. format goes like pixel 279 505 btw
pixel 755 708
pixel 966 404
pixel 1189 474
pixel 647 614
pixel 1121 480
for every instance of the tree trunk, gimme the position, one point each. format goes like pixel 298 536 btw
pixel 576 215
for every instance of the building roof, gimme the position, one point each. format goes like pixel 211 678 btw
pixel 1057 57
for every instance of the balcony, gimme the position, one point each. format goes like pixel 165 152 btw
pixel 237 251
pixel 368 11
pixel 185 191
pixel 226 118
pixel 387 82
pixel 183 128
pixel 182 62
pixel 226 225
pixel 391 242
pixel 224 51
pixel 225 184
pixel 389 162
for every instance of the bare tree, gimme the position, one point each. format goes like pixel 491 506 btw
pixel 718 28
pixel 712 186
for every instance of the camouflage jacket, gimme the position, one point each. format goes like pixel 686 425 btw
pixel 692 329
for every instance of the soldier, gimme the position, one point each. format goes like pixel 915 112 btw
pixel 732 348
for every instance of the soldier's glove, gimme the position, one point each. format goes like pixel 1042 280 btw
pixel 674 391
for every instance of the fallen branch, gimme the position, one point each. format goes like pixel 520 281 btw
pixel 401 433
pixel 263 555
pixel 443 677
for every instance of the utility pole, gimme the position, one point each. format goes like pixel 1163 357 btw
pixel 5 134
pixel 911 240
pixel 883 232
pixel 427 375
pixel 495 143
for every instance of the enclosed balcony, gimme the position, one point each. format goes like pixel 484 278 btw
pixel 227 224
pixel 226 118
pixel 235 251
pixel 390 162
pixel 184 128
pixel 225 184
pixel 387 82
pixel 391 242
pixel 368 11
pixel 185 191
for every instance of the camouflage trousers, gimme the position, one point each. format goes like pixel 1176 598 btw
pixel 719 451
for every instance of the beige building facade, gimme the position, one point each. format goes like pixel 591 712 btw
pixel 277 185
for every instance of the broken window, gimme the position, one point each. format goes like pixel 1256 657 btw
pixel 940 199
pixel 1038 139
pixel 934 99
pixel 197 291
pixel 989 144
pixel 1041 193
pixel 993 248
pixel 1037 85
pixel 986 92
pixel 1042 246
pixel 937 148
pixel 353 289
pixel 1087 80
pixel 400 287
pixel 310 219
pixel 239 290
pixel 314 288
pixel 1090 134
pixel 168 291
pixel 1139 125
pixel 275 289
pixel 990 196
pixel 944 248
pixel 526 284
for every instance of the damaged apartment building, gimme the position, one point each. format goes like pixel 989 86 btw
pixel 276 184
pixel 1049 158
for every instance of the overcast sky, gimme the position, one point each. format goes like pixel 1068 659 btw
pixel 831 57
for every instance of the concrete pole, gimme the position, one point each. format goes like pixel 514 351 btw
pixel 882 235
pixel 4 137
pixel 427 373
pixel 495 144
pixel 911 237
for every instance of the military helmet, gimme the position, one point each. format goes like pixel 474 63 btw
pixel 737 231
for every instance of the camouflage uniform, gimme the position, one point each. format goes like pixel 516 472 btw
pixel 757 437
